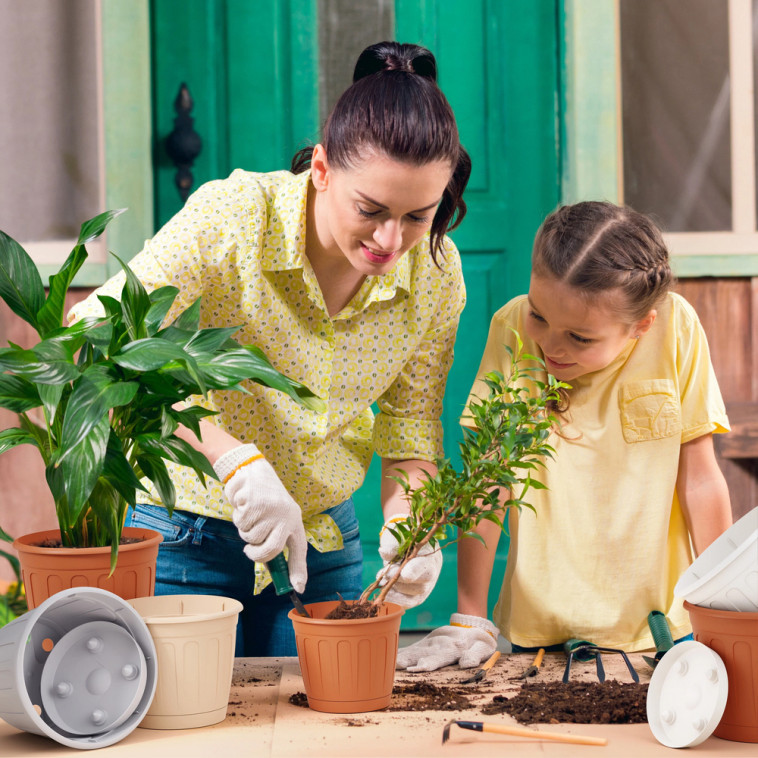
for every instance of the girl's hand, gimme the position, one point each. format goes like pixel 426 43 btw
pixel 418 576
pixel 265 514
pixel 467 641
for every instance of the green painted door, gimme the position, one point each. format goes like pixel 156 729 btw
pixel 254 79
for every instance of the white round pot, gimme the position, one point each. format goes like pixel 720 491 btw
pixel 194 637
pixel 725 575
pixel 79 668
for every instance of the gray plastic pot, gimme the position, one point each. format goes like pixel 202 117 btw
pixel 80 669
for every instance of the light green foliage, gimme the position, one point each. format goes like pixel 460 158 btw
pixel 13 600
pixel 97 398
pixel 504 443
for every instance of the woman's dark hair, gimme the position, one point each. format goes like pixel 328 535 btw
pixel 394 107
pixel 598 246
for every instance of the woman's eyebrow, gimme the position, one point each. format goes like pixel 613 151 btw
pixel 380 205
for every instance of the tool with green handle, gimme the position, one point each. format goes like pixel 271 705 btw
pixel 280 574
pixel 659 628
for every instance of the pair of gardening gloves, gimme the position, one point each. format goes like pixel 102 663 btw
pixel 268 519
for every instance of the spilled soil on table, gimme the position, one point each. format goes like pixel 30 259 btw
pixel 608 702
pixel 574 703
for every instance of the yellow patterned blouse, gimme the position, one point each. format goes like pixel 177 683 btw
pixel 240 244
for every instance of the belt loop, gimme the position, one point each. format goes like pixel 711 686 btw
pixel 197 530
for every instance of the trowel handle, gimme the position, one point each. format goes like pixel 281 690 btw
pixel 659 628
pixel 280 574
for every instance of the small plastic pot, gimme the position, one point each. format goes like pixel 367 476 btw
pixel 194 638
pixel 348 665
pixel 725 575
pixel 79 668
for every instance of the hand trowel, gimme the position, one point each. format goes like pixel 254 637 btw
pixel 282 585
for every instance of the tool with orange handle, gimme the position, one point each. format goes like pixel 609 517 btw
pixel 515 731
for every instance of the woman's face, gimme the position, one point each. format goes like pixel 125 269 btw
pixel 577 334
pixel 374 212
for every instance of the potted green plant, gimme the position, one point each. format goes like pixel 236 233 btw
pixel 101 399
pixel 504 442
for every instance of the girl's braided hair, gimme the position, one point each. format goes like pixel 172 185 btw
pixel 596 246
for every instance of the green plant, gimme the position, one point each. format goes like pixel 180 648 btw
pixel 101 399
pixel 504 441
pixel 12 600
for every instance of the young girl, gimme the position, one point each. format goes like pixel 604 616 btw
pixel 340 271
pixel 634 485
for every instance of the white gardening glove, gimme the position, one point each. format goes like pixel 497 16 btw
pixel 265 514
pixel 418 576
pixel 467 640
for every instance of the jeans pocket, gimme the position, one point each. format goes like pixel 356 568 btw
pixel 174 534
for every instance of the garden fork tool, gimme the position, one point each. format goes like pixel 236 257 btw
pixel 486 666
pixel 281 576
pixel 584 651
pixel 516 731
pixel 659 628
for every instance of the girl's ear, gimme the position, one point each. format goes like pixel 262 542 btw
pixel 319 168
pixel 644 324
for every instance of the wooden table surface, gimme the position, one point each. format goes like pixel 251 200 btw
pixel 262 723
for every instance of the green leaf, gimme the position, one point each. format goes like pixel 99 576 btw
pixel 81 467
pixel 94 395
pixel 155 470
pixel 150 354
pixel 209 340
pixel 177 451
pixel 189 318
pixel 50 395
pixel 50 315
pixel 161 301
pixel 135 303
pixel 5 537
pixel 94 227
pixel 191 417
pixel 10 438
pixel 20 283
pixel 119 472
pixel 17 394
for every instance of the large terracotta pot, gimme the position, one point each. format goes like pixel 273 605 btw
pixel 348 665
pixel 46 570
pixel 734 636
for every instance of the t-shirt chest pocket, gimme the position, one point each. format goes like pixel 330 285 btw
pixel 650 410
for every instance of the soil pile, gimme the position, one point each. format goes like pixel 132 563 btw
pixel 608 702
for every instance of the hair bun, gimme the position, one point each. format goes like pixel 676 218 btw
pixel 396 56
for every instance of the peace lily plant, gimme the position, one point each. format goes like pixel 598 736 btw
pixel 101 399
pixel 505 441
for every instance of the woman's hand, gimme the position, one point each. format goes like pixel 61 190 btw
pixel 265 514
pixel 418 576
pixel 467 641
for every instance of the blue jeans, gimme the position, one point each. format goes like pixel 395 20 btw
pixel 203 556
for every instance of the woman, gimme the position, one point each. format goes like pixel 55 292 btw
pixel 341 273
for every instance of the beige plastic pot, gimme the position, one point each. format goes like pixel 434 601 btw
pixel 194 638
pixel 348 665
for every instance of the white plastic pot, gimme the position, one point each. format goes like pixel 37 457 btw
pixel 79 668
pixel 194 637
pixel 725 576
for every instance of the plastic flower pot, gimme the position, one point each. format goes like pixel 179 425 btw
pixel 194 638
pixel 725 575
pixel 80 669
pixel 733 635
pixel 47 570
pixel 348 665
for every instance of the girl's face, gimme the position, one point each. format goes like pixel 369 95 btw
pixel 374 212
pixel 577 335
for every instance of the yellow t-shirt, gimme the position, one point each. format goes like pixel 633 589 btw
pixel 608 540
pixel 240 244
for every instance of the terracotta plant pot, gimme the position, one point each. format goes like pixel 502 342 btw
pixel 348 665
pixel 46 570
pixel 194 638
pixel 734 636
